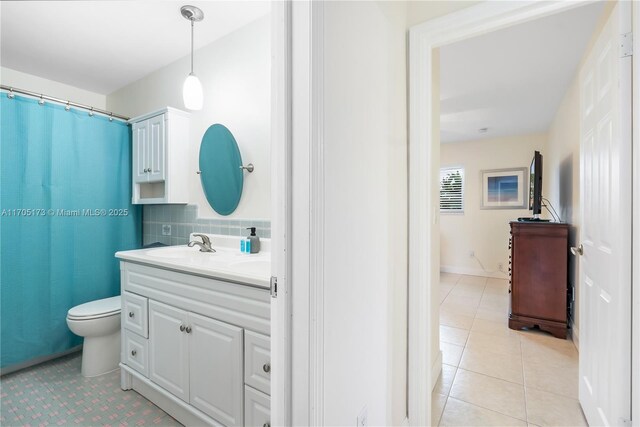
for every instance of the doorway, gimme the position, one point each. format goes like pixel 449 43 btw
pixel 425 161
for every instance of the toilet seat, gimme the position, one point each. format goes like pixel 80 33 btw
pixel 95 309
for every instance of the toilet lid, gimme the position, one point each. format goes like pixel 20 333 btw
pixel 98 308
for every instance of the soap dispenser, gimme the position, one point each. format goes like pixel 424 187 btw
pixel 255 240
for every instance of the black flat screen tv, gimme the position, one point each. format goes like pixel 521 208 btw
pixel 535 185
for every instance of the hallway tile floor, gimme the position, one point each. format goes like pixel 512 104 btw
pixel 56 394
pixel 492 375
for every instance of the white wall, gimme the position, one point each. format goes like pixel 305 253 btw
pixel 235 74
pixel 484 231
pixel 365 219
pixel 421 11
pixel 52 88
pixel 561 174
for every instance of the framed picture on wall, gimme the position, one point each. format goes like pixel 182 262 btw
pixel 504 188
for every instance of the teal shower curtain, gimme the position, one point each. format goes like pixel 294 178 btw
pixel 65 206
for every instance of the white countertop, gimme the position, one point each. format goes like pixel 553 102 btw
pixel 227 263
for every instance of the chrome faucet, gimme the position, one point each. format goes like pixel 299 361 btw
pixel 205 246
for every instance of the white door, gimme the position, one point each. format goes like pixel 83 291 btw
pixel 168 349
pixel 156 149
pixel 605 267
pixel 215 358
pixel 140 135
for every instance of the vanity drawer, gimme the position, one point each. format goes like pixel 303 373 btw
pixel 257 361
pixel 136 352
pixel 134 314
pixel 257 408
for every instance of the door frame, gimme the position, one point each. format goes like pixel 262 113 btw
pixel 424 161
pixel 635 260
pixel 280 411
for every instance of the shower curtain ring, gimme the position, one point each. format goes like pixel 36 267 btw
pixel 110 117
pixel 11 95
pixel 91 112
pixel 67 107
pixel 41 102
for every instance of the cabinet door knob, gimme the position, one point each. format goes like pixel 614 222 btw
pixel 182 328
pixel 266 425
pixel 131 314
pixel 188 329
pixel 134 352
pixel 266 367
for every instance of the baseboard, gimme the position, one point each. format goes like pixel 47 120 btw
pixel 472 272
pixel 436 368
pixel 38 360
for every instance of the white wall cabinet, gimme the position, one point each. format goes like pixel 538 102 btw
pixel 160 163
pixel 200 369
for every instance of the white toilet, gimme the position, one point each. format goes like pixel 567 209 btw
pixel 99 323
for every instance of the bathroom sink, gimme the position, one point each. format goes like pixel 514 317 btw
pixel 178 252
pixel 227 263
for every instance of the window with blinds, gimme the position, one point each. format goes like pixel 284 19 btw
pixel 452 190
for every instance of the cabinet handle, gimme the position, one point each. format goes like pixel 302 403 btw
pixel 131 314
pixel 182 328
pixel 266 425
pixel 188 329
pixel 266 367
pixel 134 352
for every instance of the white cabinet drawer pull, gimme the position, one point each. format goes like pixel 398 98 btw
pixel 266 367
pixel 131 314
pixel 134 352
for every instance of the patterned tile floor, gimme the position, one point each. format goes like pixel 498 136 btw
pixel 55 393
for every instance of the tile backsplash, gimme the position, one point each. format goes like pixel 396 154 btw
pixel 172 224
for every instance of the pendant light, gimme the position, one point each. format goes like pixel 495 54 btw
pixel 192 88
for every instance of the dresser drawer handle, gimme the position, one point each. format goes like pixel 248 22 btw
pixel 134 352
pixel 131 314
pixel 266 367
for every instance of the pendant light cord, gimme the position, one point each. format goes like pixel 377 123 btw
pixel 191 45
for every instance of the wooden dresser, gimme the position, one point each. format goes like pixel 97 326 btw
pixel 538 276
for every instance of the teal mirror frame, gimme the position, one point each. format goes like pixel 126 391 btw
pixel 221 174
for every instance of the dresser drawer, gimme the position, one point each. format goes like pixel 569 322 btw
pixel 134 314
pixel 257 408
pixel 257 361
pixel 136 352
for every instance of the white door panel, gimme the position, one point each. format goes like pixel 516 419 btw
pixel 605 267
pixel 156 147
pixel 168 349
pixel 215 357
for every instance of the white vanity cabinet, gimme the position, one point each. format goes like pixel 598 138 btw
pixel 206 360
pixel 160 164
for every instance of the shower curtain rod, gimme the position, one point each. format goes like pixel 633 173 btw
pixel 62 101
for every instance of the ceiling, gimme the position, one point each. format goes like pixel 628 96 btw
pixel 102 46
pixel 512 81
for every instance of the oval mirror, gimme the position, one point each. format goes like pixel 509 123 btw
pixel 220 171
